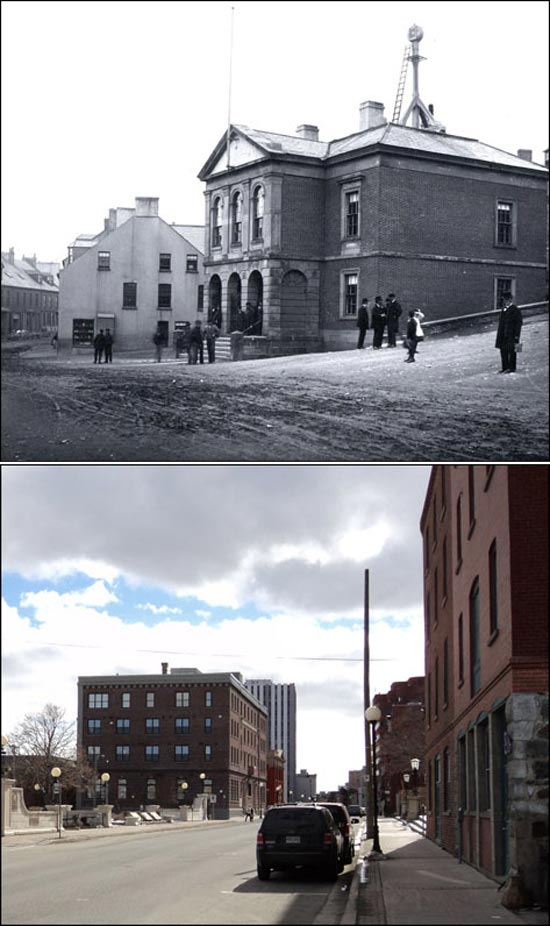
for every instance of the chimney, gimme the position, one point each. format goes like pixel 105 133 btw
pixel 525 154
pixel 11 256
pixel 147 205
pixel 310 132
pixel 164 668
pixel 371 115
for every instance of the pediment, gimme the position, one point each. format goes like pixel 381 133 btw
pixel 242 151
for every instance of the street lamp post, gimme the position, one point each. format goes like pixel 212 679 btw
pixel 373 715
pixel 415 765
pixel 55 773
pixel 38 788
pixel 105 777
pixel 202 776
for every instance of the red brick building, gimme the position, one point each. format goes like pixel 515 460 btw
pixel 485 533
pixel 399 738
pixel 275 777
pixel 155 733
pixel 303 229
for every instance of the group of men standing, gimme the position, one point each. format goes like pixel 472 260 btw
pixel 383 316
pixel 191 341
pixel 103 343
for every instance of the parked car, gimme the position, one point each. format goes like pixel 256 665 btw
pixel 343 822
pixel 299 835
pixel 355 810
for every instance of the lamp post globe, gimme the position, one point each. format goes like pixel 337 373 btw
pixel 55 773
pixel 105 777
pixel 372 715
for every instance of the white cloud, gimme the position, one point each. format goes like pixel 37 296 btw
pixel 155 609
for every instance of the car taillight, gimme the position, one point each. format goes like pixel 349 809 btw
pixel 347 829
pixel 259 839
pixel 327 839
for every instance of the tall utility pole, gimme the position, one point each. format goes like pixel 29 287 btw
pixel 366 698
pixel 229 93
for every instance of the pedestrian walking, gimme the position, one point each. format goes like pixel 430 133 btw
pixel 419 315
pixel 196 348
pixel 508 335
pixel 99 346
pixel 158 341
pixel 53 341
pixel 251 814
pixel 411 338
pixel 393 312
pixel 108 346
pixel 378 322
pixel 211 332
pixel 362 323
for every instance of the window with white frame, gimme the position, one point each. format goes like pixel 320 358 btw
pixel 150 699
pixel 349 295
pixel 217 219
pixel 94 727
pixel 258 198
pixel 123 725
pixel 182 724
pixel 126 699
pixel 181 753
pixel 236 217
pixel 152 725
pixel 208 753
pixel 182 699
pixel 98 700
pixel 505 224
pixel 122 753
pixel 93 752
pixel 352 214
pixel 208 699
pixel 152 753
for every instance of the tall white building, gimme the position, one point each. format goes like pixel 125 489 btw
pixel 280 701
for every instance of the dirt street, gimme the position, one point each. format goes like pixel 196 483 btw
pixel 351 406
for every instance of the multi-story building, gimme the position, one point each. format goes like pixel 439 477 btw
pixel 275 776
pixel 137 276
pixel 280 701
pixel 304 229
pixel 485 535
pixel 399 739
pixel 30 293
pixel 306 785
pixel 167 738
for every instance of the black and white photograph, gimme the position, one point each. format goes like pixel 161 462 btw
pixel 281 195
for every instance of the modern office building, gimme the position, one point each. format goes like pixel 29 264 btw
pixel 485 538
pixel 280 701
pixel 165 739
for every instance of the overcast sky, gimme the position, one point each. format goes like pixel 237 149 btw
pixel 106 101
pixel 254 569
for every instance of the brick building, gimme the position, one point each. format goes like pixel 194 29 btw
pixel 155 733
pixel 30 294
pixel 399 738
pixel 303 229
pixel 485 536
pixel 138 275
pixel 275 777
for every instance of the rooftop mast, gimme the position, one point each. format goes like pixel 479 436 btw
pixel 422 117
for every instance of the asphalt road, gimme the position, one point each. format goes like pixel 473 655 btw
pixel 199 876
pixel 346 406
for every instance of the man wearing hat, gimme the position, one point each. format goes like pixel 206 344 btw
pixel 393 311
pixel 362 322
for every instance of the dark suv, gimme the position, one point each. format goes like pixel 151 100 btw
pixel 293 835
pixel 343 822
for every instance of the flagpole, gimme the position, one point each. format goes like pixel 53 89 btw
pixel 229 97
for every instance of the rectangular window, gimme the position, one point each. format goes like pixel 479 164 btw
pixel 200 297
pixel 165 263
pixel 150 699
pixel 122 753
pixel 126 699
pixel 208 725
pixel 165 296
pixel 208 753
pixel 94 727
pixel 94 753
pixel 445 673
pixel 152 725
pixel 152 753
pixel 505 224
pixel 351 281
pixel 352 214
pixel 123 726
pixel 182 724
pixel 475 650
pixel 129 295
pixel 192 263
pixel 459 530
pixel 98 700
pixel 104 260
pixel 460 651
pixel 122 789
pixel 208 699
pixel 182 699
pixel 493 590
pixel 181 753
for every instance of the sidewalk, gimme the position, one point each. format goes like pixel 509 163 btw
pixel 416 882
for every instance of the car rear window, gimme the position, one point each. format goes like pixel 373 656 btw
pixel 337 812
pixel 293 821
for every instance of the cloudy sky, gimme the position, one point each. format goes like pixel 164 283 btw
pixel 255 569
pixel 106 101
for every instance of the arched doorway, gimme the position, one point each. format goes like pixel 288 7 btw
pixel 294 304
pixel 234 295
pixel 215 301
pixel 255 301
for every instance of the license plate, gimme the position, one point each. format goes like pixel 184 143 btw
pixel 293 839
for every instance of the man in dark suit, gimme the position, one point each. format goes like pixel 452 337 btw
pixel 362 322
pixel 508 334
pixel 393 311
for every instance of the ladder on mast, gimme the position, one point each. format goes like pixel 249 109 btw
pixel 401 85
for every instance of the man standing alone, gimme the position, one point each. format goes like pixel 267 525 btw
pixel 508 333
pixel 362 323
pixel 99 345
pixel 393 311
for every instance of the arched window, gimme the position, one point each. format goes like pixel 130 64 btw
pixel 217 214
pixel 258 212
pixel 236 218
